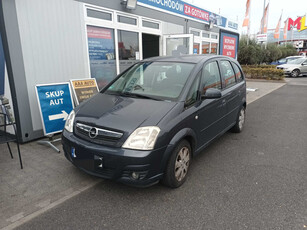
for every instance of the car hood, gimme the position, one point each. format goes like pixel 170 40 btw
pixel 122 113
pixel 286 66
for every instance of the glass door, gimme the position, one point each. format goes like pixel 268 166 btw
pixel 175 45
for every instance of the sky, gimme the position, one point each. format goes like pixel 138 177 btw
pixel 235 10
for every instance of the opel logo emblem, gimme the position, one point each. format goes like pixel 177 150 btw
pixel 93 132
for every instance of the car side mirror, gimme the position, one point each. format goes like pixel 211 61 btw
pixel 211 93
pixel 304 64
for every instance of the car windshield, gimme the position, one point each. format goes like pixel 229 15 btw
pixel 153 80
pixel 296 61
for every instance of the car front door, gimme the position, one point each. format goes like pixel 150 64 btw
pixel 304 67
pixel 211 112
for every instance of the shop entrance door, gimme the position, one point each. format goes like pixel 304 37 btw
pixel 151 45
pixel 177 44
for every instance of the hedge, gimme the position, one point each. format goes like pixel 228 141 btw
pixel 266 72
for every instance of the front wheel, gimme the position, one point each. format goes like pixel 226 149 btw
pixel 238 127
pixel 178 165
pixel 295 73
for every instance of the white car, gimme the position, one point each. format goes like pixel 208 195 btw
pixel 295 67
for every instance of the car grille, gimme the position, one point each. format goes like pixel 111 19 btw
pixel 280 68
pixel 98 135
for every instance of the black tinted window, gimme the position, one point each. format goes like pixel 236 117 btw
pixel 239 76
pixel 211 76
pixel 227 74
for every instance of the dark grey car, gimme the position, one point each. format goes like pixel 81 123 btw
pixel 147 124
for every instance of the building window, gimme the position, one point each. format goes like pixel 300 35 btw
pixel 213 48
pixel 126 20
pixel 195 33
pixel 205 47
pixel 213 36
pixel 99 14
pixel 101 49
pixel 205 35
pixel 150 25
pixel 128 48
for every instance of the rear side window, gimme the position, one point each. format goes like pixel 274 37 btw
pixel 211 76
pixel 227 74
pixel 239 76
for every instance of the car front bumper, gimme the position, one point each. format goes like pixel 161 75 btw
pixel 117 164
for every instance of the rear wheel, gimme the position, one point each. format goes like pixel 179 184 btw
pixel 295 73
pixel 178 165
pixel 238 127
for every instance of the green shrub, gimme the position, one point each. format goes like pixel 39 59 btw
pixel 262 72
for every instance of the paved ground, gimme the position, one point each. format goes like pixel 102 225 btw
pixel 253 180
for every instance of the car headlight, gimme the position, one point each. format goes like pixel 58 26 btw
pixel 143 138
pixel 69 124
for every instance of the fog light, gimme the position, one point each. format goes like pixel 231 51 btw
pixel 135 175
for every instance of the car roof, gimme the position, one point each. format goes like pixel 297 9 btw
pixel 192 58
pixel 295 57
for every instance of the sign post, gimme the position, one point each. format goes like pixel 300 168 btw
pixel 84 89
pixel 55 103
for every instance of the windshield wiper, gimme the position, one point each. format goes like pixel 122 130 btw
pixel 127 94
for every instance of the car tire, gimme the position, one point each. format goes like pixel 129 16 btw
pixel 295 73
pixel 238 127
pixel 178 165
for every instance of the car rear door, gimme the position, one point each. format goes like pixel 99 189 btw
pixel 231 92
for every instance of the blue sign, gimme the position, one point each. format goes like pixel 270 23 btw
pixel 185 9
pixel 55 102
pixel 229 43
pixel 2 65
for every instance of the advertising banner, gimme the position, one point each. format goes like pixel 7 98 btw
pixel 55 103
pixel 84 89
pixel 101 48
pixel 2 68
pixel 229 44
pixel 182 8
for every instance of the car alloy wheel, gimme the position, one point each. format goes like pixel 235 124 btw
pixel 178 165
pixel 182 163
pixel 295 73
pixel 241 118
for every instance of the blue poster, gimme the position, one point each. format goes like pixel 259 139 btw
pixel 55 103
pixel 101 48
pixel 2 66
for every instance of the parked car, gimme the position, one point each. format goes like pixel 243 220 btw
pixel 285 60
pixel 295 68
pixel 148 123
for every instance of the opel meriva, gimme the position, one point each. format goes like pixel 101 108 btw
pixel 149 122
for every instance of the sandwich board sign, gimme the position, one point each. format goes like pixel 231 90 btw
pixel 84 89
pixel 55 103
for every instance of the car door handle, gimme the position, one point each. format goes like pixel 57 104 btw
pixel 223 102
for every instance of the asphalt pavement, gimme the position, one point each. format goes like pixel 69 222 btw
pixel 252 180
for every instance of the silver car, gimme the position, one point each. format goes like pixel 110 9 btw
pixel 295 68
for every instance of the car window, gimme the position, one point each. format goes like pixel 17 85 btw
pixel 239 76
pixel 211 76
pixel 227 74
pixel 194 90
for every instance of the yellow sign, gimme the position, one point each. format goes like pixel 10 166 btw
pixel 84 89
